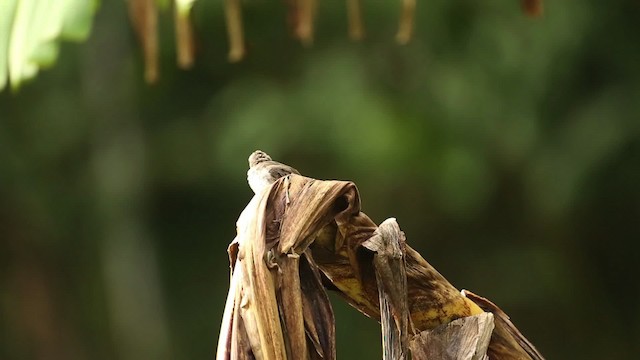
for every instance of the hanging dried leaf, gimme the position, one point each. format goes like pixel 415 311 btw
pixel 235 32
pixel 407 14
pixel 30 30
pixel 184 33
pixel 305 21
pixel 144 16
pixel 354 15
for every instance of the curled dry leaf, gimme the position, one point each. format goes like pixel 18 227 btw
pixel 302 233
pixel 277 307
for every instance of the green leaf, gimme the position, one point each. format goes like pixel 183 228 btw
pixel 183 6
pixel 7 11
pixel 78 19
pixel 31 29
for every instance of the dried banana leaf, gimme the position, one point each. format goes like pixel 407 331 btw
pixel 302 228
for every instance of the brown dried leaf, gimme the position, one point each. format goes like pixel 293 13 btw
pixel 507 342
pixel 388 243
pixel 144 16
pixel 271 262
pixel 318 314
pixel 305 22
pixel 328 219
pixel 533 8
pixel 270 312
pixel 289 300
pixel 461 339
pixel 356 24
pixel 235 32
pixel 407 15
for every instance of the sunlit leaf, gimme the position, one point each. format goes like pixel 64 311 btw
pixel 7 10
pixel 31 30
pixel 78 18
pixel 19 42
pixel 46 54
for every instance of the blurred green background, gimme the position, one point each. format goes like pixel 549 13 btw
pixel 507 148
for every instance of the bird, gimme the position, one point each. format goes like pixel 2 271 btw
pixel 263 171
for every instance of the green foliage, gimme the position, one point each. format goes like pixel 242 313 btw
pixel 507 148
pixel 30 31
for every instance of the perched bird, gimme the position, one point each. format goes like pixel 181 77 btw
pixel 263 171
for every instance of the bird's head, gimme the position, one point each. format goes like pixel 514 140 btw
pixel 257 157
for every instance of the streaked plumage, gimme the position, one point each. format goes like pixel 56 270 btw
pixel 263 171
